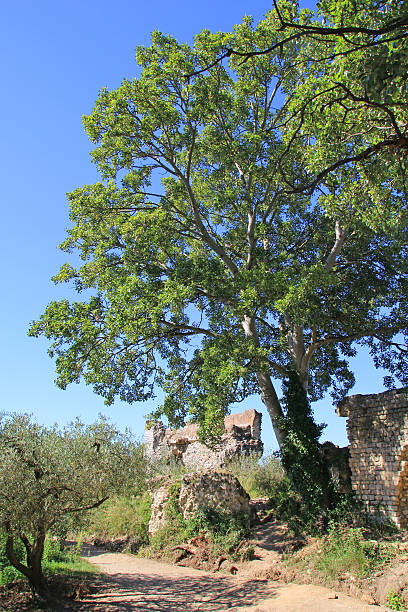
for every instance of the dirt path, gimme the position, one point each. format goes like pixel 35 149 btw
pixel 132 583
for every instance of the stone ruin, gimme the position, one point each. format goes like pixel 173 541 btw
pixel 199 491
pixel 242 437
pixel 377 429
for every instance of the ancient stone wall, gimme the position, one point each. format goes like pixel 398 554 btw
pixel 242 436
pixel 377 429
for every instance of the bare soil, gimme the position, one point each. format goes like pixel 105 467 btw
pixel 132 583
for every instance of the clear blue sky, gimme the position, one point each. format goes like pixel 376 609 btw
pixel 56 56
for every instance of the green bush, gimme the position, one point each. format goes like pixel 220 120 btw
pixel 224 530
pixel 56 559
pixel 260 478
pixel 177 530
pixel 7 572
pixel 267 478
pixel 122 516
pixel 345 549
pixel 55 551
pixel 395 601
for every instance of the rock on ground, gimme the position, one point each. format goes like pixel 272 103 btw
pixel 214 490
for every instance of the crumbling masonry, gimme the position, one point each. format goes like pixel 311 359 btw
pixel 242 437
pixel 377 429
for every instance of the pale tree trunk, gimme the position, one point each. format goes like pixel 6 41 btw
pixel 268 393
pixel 273 406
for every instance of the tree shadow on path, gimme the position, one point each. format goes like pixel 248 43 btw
pixel 175 594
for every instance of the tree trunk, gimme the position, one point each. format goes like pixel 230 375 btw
pixel 273 406
pixel 36 556
pixel 268 393
pixel 33 570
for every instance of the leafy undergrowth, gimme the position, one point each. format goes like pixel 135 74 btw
pixel 67 577
pixel 205 541
pixel 344 552
pixel 259 477
pixel 123 519
pixel 347 559
pixel 395 601
pixel 57 559
pixel 71 583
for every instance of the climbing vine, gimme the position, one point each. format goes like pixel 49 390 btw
pixel 300 452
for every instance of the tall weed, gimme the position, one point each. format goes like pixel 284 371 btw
pixel 345 549
pixel 259 477
pixel 124 516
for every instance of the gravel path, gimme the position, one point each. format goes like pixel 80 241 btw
pixel 132 583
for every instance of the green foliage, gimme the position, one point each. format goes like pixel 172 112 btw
pixel 212 270
pixel 222 530
pixel 122 516
pixel 300 451
pixel 250 225
pixel 56 559
pixel 50 477
pixel 8 573
pixel 395 601
pixel 259 477
pixel 267 478
pixel 345 549
pixel 225 530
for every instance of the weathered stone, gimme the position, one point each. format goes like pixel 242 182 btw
pixel 242 436
pixel 160 498
pixel 198 492
pixel 212 490
pixel 338 462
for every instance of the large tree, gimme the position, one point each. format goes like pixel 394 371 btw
pixel 209 277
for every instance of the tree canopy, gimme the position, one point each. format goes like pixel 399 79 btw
pixel 212 272
pixel 349 98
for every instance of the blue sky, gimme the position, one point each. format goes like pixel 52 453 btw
pixel 56 57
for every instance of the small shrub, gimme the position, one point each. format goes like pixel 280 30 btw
pixel 54 551
pixel 224 530
pixel 56 559
pixel 345 549
pixel 176 531
pixel 7 572
pixel 395 601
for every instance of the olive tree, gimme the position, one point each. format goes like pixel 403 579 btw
pixel 49 474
